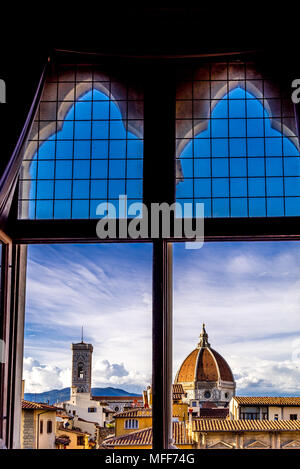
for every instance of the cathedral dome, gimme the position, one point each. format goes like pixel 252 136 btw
pixel 204 364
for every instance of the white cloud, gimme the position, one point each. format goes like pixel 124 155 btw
pixel 40 378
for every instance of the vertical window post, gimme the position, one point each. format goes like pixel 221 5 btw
pixel 159 186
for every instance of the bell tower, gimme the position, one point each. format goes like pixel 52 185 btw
pixel 82 367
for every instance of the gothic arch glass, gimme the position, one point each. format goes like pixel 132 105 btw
pixel 237 151
pixel 85 148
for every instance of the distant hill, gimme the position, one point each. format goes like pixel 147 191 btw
pixel 61 395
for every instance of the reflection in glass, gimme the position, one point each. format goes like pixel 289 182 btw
pixel 92 159
pixel 240 166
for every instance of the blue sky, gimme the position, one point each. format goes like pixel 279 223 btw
pixel 246 293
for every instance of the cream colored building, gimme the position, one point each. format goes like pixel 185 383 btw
pixel 264 408
pixel 245 434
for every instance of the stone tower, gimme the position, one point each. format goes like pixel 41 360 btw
pixel 81 367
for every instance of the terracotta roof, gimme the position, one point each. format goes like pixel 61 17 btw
pixel 72 430
pixel 204 364
pixel 278 401
pixel 28 405
pixel 117 398
pixel 224 425
pixel 214 413
pixel 144 437
pixel 138 412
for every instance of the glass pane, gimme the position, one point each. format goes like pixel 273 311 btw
pixel 89 352
pixel 242 148
pixel 235 339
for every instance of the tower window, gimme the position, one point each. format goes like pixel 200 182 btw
pixel 207 394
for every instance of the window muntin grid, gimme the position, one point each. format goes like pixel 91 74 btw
pixel 83 150
pixel 237 148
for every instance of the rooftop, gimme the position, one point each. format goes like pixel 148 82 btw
pixel 214 413
pixel 138 412
pixel 144 437
pixel 28 405
pixel 204 364
pixel 224 425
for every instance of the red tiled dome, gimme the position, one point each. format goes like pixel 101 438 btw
pixel 204 364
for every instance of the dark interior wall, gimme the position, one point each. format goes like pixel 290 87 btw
pixel 142 32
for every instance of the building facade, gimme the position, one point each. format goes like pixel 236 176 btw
pixel 38 425
pixel 265 408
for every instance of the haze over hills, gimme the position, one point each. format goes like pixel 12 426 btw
pixel 61 395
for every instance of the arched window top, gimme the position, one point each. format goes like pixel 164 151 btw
pixel 238 164
pixel 92 156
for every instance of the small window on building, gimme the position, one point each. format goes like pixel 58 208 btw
pixel 49 426
pixel 194 404
pixel 41 427
pixel 293 416
pixel 275 416
pixel 80 441
pixel 117 409
pixel 92 409
pixel 207 394
pixel 131 424
pixel 74 412
pixel 226 395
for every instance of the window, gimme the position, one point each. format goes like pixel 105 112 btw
pixel 250 415
pixel 49 426
pixel 239 176
pixel 237 148
pixel 80 371
pixel 207 394
pixel 41 426
pixel 131 424
pixel 85 148
pixel 92 409
pixel 293 416
pixel 275 416
pixel 80 441
pixel 194 404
